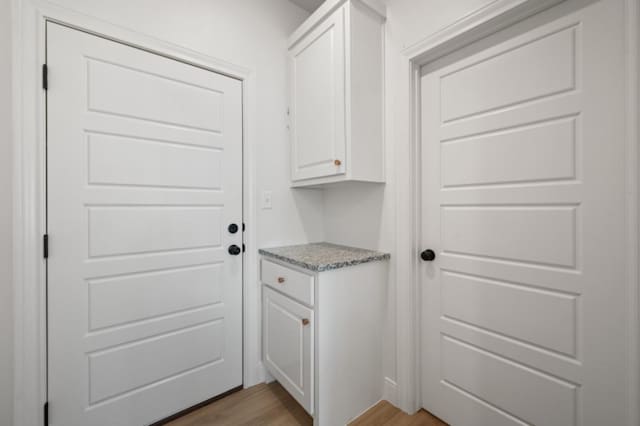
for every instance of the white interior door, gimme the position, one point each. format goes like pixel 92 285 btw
pixel 144 175
pixel 523 165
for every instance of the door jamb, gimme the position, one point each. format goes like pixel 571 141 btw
pixel 28 55
pixel 495 16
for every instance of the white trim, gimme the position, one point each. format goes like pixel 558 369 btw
pixel 29 17
pixel 497 15
pixel 632 35
pixel 480 23
pixel 390 391
pixel 29 355
pixel 407 248
pixel 326 9
pixel 253 370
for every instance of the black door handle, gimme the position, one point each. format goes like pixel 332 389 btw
pixel 428 255
pixel 233 228
pixel 234 250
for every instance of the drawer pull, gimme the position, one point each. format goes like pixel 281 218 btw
pixel 305 321
pixel 337 162
pixel 280 280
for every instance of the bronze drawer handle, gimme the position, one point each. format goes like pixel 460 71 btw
pixel 305 321
pixel 280 280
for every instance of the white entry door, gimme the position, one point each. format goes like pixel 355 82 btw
pixel 144 158
pixel 523 164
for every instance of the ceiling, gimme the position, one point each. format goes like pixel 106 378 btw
pixel 309 5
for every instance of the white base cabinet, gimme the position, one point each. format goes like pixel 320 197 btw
pixel 325 348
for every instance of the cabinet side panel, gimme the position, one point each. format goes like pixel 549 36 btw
pixel 349 320
pixel 366 84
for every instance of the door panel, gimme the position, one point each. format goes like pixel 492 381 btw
pixel 538 153
pixel 317 100
pixel 149 360
pixel 524 230
pixel 511 77
pixel 490 377
pixel 144 175
pixel 161 98
pixel 135 297
pixel 489 305
pixel 288 345
pixel 116 160
pixel 523 177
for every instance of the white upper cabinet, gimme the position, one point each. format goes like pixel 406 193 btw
pixel 336 95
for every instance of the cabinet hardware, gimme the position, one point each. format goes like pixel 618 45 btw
pixel 305 321
pixel 337 162
pixel 280 280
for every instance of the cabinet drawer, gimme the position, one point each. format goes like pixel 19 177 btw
pixel 288 281
pixel 288 345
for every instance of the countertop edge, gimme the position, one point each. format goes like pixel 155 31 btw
pixel 328 266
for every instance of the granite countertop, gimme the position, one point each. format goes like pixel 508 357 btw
pixel 319 257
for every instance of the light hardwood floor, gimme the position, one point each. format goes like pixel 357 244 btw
pixel 385 414
pixel 270 404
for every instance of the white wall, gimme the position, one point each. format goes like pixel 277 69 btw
pixel 364 215
pixel 6 294
pixel 410 21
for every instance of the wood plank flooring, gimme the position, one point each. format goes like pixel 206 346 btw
pixel 270 405
pixel 385 414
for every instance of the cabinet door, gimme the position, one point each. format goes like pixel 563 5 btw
pixel 288 345
pixel 317 101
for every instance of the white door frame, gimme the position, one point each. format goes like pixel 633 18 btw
pixel 29 273
pixel 497 15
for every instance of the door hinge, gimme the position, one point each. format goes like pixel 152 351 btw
pixel 45 77
pixel 46 414
pixel 45 246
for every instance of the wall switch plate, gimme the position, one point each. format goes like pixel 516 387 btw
pixel 267 203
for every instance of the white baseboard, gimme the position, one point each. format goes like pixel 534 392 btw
pixel 268 378
pixel 390 391
pixel 259 375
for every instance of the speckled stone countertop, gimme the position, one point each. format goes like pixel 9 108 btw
pixel 319 257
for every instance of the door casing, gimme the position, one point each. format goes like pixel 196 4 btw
pixel 29 123
pixel 476 26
